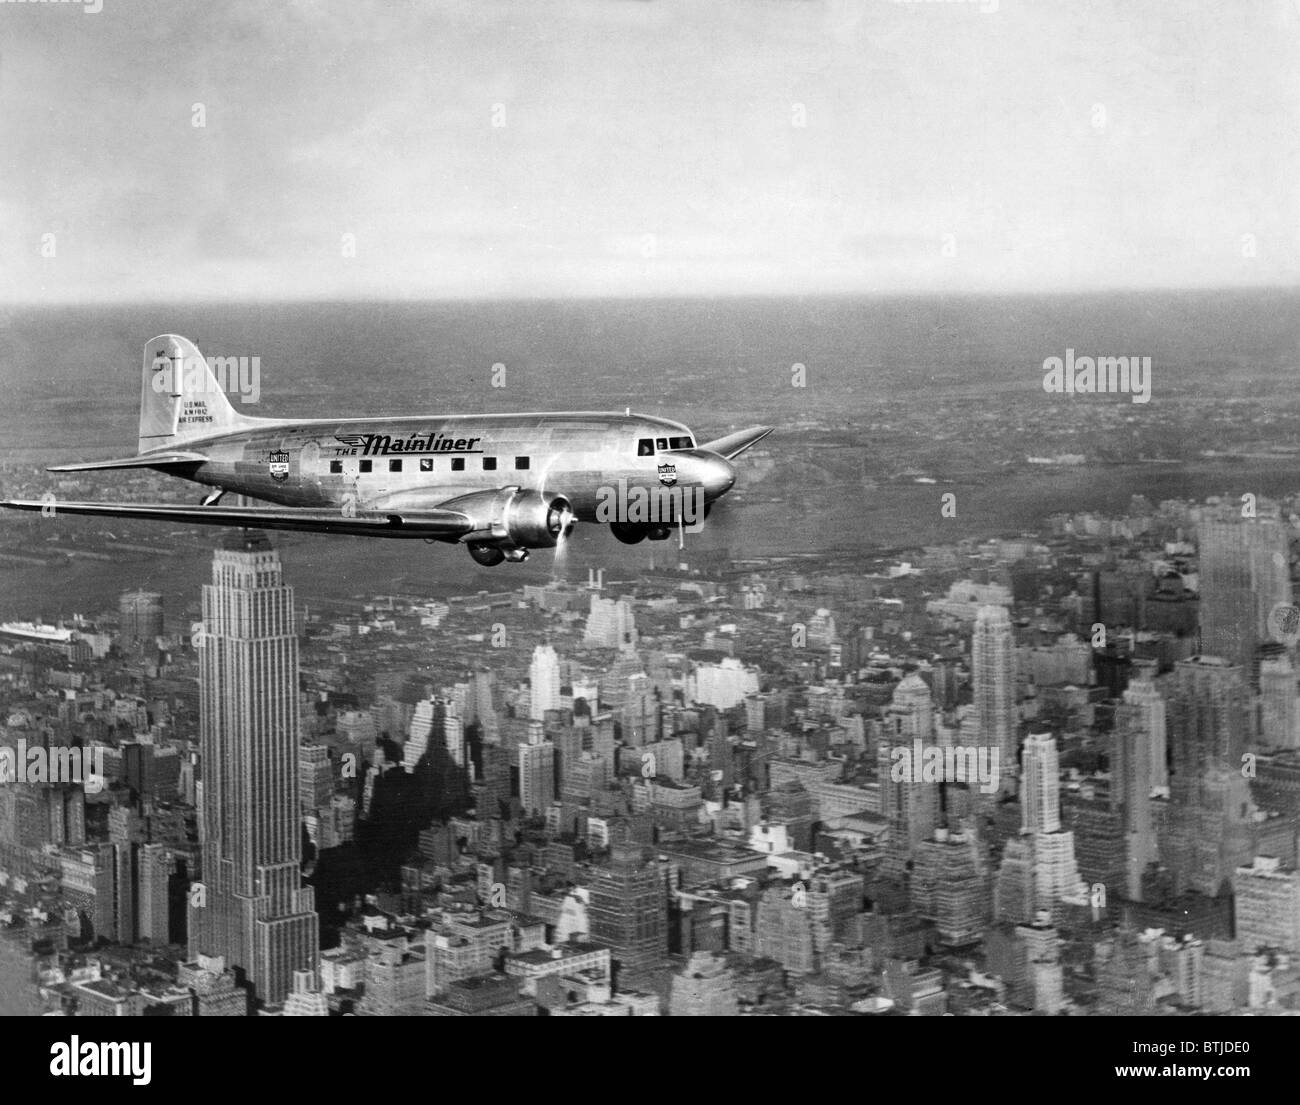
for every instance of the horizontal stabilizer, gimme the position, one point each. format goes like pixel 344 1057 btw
pixel 734 444
pixel 158 460
pixel 435 524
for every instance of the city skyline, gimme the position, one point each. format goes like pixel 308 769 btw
pixel 758 849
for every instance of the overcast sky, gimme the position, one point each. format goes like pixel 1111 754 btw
pixel 649 147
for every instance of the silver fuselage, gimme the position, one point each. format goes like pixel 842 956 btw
pixel 420 462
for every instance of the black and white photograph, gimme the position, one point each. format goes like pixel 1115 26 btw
pixel 652 508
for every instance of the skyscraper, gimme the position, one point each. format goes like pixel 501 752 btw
pixel 1142 694
pixel 1056 870
pixel 536 776
pixel 253 911
pixel 156 864
pixel 994 684
pixel 1040 794
pixel 1244 573
pixel 912 808
pixel 436 723
pixel 141 617
pixel 544 679
pixel 951 887
pixel 1039 869
pixel 1279 705
pixel 453 734
pixel 1266 905
pixel 910 715
pixel 1208 716
pixel 611 623
pixel 1133 780
pixel 125 833
pixel 1211 812
pixel 315 777
pixel 628 911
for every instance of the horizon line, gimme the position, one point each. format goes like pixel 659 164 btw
pixel 659 297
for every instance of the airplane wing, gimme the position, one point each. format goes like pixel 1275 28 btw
pixel 733 445
pixel 437 524
pixel 158 460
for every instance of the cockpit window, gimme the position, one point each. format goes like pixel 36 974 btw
pixel 661 443
pixel 680 443
pixel 645 447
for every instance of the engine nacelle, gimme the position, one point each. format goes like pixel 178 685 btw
pixel 512 518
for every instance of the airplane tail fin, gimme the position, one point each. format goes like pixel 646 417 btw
pixel 181 398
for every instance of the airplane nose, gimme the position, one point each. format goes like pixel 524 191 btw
pixel 718 477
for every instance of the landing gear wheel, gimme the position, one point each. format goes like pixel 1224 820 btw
pixel 659 533
pixel 630 533
pixel 487 555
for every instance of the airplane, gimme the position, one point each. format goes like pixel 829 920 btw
pixel 500 484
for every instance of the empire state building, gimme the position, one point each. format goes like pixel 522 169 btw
pixel 253 910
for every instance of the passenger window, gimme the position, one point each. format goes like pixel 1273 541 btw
pixel 366 465
pixel 336 466
pixel 394 465
pixel 521 463
pixel 489 464
pixel 645 447
pixel 661 443
pixel 458 464
pixel 426 464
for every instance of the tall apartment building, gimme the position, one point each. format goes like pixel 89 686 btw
pixel 1267 906
pixel 1039 869
pixel 611 623
pixel 125 833
pixel 950 886
pixel 1144 697
pixel 994 684
pixel 156 866
pixel 1244 573
pixel 544 682
pixel 1279 704
pixel 89 880
pixel 628 910
pixel 1211 830
pixel 1132 781
pixel 536 776
pixel 315 776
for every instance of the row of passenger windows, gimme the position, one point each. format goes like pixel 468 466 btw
pixel 426 464
pixel 646 446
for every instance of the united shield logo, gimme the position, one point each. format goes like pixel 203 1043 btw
pixel 668 474
pixel 279 465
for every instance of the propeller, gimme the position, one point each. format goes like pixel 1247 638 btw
pixel 559 563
